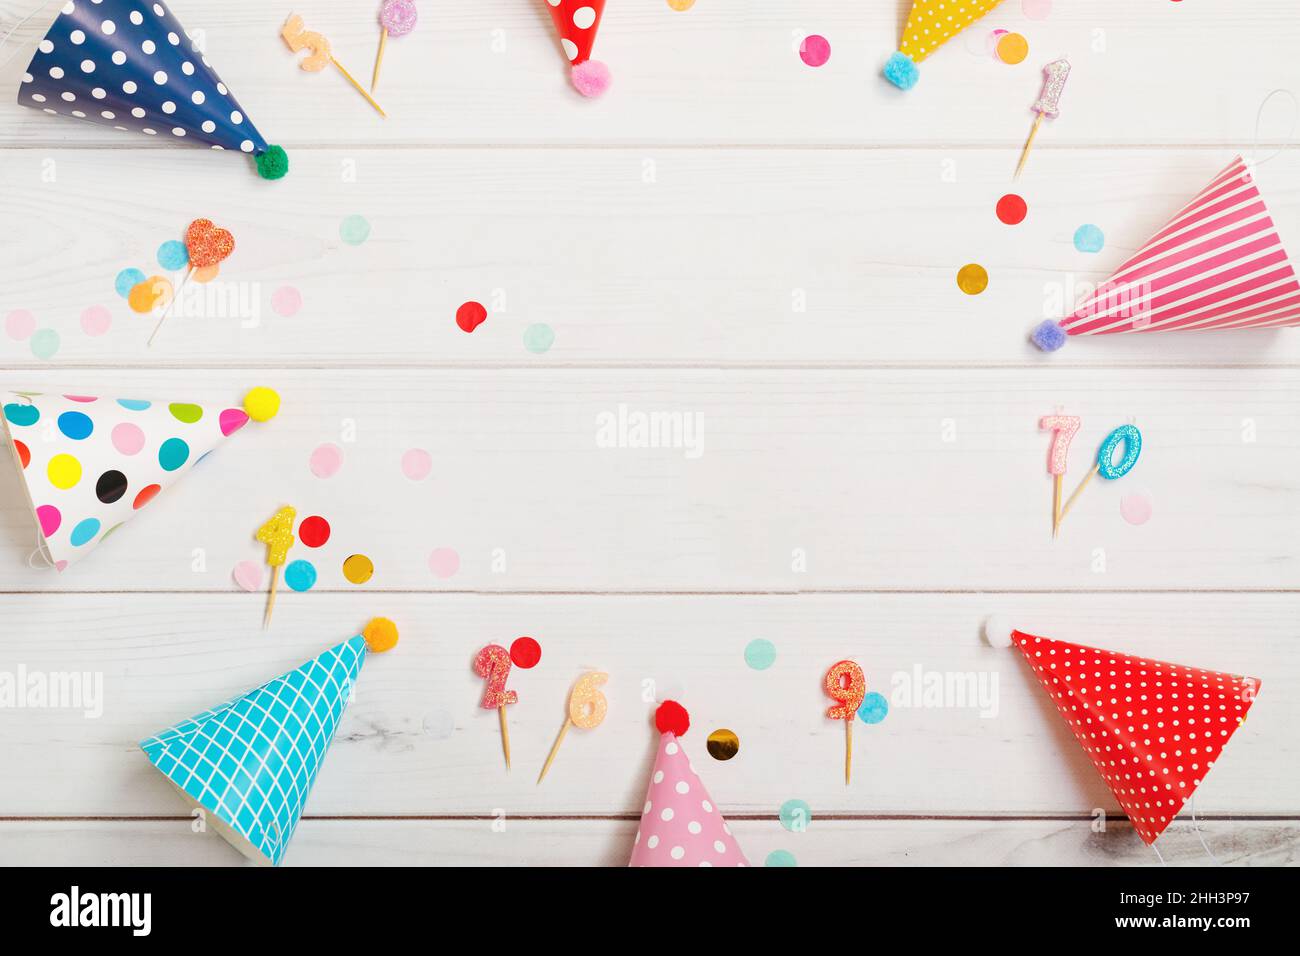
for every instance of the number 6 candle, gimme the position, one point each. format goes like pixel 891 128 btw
pixel 846 683
pixel 587 708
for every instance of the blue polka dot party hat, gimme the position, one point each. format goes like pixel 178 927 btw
pixel 251 762
pixel 90 464
pixel 129 64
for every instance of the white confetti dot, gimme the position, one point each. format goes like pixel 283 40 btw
pixel 197 97
pixel 160 77
pixel 584 17
pixel 109 27
pixel 246 146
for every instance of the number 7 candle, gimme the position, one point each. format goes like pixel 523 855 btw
pixel 1063 429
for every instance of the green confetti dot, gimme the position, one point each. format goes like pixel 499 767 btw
pixel 45 343
pixel 354 230
pixel 780 858
pixel 539 338
pixel 795 815
pixel 760 654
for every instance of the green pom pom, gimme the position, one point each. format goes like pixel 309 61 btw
pixel 273 164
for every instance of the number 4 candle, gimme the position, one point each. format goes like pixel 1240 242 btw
pixel 277 535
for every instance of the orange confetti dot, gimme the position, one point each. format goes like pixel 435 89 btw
pixel 207 273
pixel 1013 48
pixel 150 294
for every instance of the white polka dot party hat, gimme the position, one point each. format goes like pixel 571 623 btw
pixel 90 464
pixel 1153 730
pixel 129 64
pixel 930 25
pixel 576 22
pixel 680 825
pixel 250 763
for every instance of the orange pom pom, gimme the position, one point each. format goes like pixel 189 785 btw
pixel 380 635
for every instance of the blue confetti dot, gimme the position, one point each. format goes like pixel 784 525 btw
pixel 1088 238
pixel 127 280
pixel 874 708
pixel 760 654
pixel 780 858
pixel 300 575
pixel 20 414
pixel 76 425
pixel 795 815
pixel 84 532
pixel 133 405
pixel 172 255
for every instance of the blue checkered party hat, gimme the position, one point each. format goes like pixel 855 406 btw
pixel 129 64
pixel 251 762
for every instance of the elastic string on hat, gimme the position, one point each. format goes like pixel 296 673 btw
pixel 1259 121
pixel 18 26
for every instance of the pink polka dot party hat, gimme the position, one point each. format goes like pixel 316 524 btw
pixel 680 824
pixel 1152 729
pixel 90 464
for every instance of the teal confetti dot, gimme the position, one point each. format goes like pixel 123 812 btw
pixel 760 654
pixel 874 708
pixel 780 858
pixel 539 338
pixel 45 343
pixel 300 575
pixel 354 230
pixel 172 255
pixel 795 815
pixel 1088 238
pixel 127 280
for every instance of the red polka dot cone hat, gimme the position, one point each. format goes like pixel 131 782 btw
pixel 680 824
pixel 130 65
pixel 91 464
pixel 576 21
pixel 1152 729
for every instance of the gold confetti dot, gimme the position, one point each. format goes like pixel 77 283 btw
pixel 972 279
pixel 358 568
pixel 681 4
pixel 723 744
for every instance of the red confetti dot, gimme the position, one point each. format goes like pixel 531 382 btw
pixel 146 495
pixel 1012 209
pixel 314 531
pixel 525 652
pixel 24 455
pixel 470 316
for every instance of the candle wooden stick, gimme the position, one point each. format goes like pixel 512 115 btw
pixel 397 17
pixel 297 37
pixel 587 708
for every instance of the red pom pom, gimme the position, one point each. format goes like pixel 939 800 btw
pixel 671 718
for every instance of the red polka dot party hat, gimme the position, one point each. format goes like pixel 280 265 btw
pixel 680 824
pixel 90 464
pixel 1152 729
pixel 576 22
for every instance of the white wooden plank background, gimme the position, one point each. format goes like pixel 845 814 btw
pixel 730 235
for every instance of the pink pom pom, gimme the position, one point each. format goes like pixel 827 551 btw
pixel 591 77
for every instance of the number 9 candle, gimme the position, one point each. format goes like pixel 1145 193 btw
pixel 587 708
pixel 846 683
pixel 493 663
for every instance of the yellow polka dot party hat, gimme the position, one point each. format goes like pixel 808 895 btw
pixel 90 464
pixel 930 25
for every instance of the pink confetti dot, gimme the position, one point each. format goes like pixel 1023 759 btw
pixel 1135 508
pixel 815 50
pixel 20 324
pixel 248 575
pixel 96 320
pixel 444 562
pixel 416 464
pixel 286 301
pixel 326 460
pixel 1036 9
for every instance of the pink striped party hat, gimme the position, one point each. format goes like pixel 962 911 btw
pixel 1217 264
pixel 680 826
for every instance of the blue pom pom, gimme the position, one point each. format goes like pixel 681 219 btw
pixel 901 71
pixel 1049 336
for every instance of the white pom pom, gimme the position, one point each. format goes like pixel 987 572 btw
pixel 997 631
